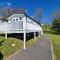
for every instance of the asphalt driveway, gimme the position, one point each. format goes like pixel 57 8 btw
pixel 40 51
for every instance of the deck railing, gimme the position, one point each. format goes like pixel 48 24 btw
pixel 4 26
pixel 15 25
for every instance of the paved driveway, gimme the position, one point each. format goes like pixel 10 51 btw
pixel 40 51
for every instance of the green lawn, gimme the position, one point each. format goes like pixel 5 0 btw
pixel 56 45
pixel 55 41
pixel 7 49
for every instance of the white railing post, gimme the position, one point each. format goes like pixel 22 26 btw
pixel 24 41
pixel 39 34
pixel 5 30
pixel 5 35
pixel 24 27
pixel 34 35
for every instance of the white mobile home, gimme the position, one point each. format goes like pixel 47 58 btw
pixel 20 23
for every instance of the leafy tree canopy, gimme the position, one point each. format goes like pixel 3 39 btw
pixel 56 25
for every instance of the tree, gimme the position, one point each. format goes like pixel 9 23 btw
pixel 19 10
pixel 38 14
pixel 56 25
pixel 56 22
pixel 5 12
pixel 57 14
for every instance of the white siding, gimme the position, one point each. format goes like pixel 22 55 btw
pixel 15 25
pixel 32 27
pixel 3 26
pixel 32 22
pixel 19 25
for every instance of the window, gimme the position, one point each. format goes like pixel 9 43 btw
pixel 16 19
pixel 13 19
pixel 20 18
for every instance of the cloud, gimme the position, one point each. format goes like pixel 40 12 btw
pixel 5 4
pixel 8 4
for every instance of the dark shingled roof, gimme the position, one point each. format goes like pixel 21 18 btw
pixel 32 19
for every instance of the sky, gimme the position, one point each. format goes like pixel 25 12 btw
pixel 48 7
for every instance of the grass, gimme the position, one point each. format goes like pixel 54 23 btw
pixel 7 49
pixel 55 41
pixel 56 45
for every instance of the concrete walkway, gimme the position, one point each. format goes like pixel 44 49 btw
pixel 40 51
